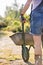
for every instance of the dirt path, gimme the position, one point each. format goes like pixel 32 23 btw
pixel 20 62
pixel 7 43
pixel 16 62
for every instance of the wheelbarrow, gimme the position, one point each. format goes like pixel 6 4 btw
pixel 23 39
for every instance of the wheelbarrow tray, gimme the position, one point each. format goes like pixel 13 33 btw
pixel 17 38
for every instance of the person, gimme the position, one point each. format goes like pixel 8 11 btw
pixel 36 26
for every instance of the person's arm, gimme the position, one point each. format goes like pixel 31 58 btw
pixel 26 7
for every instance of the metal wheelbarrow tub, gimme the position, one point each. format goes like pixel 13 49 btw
pixel 17 38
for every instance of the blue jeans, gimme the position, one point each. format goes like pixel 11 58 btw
pixel 36 22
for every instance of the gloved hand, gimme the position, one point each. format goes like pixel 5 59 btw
pixel 22 18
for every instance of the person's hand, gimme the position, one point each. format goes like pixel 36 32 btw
pixel 22 18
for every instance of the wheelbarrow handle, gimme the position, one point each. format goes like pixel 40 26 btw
pixel 23 35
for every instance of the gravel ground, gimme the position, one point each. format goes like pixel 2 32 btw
pixel 16 62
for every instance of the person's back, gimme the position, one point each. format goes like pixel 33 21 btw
pixel 35 3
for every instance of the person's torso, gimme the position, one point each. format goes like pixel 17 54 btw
pixel 35 3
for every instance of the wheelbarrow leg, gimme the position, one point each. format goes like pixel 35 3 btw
pixel 25 52
pixel 31 46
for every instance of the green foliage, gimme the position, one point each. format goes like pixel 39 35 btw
pixel 2 23
pixel 12 20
